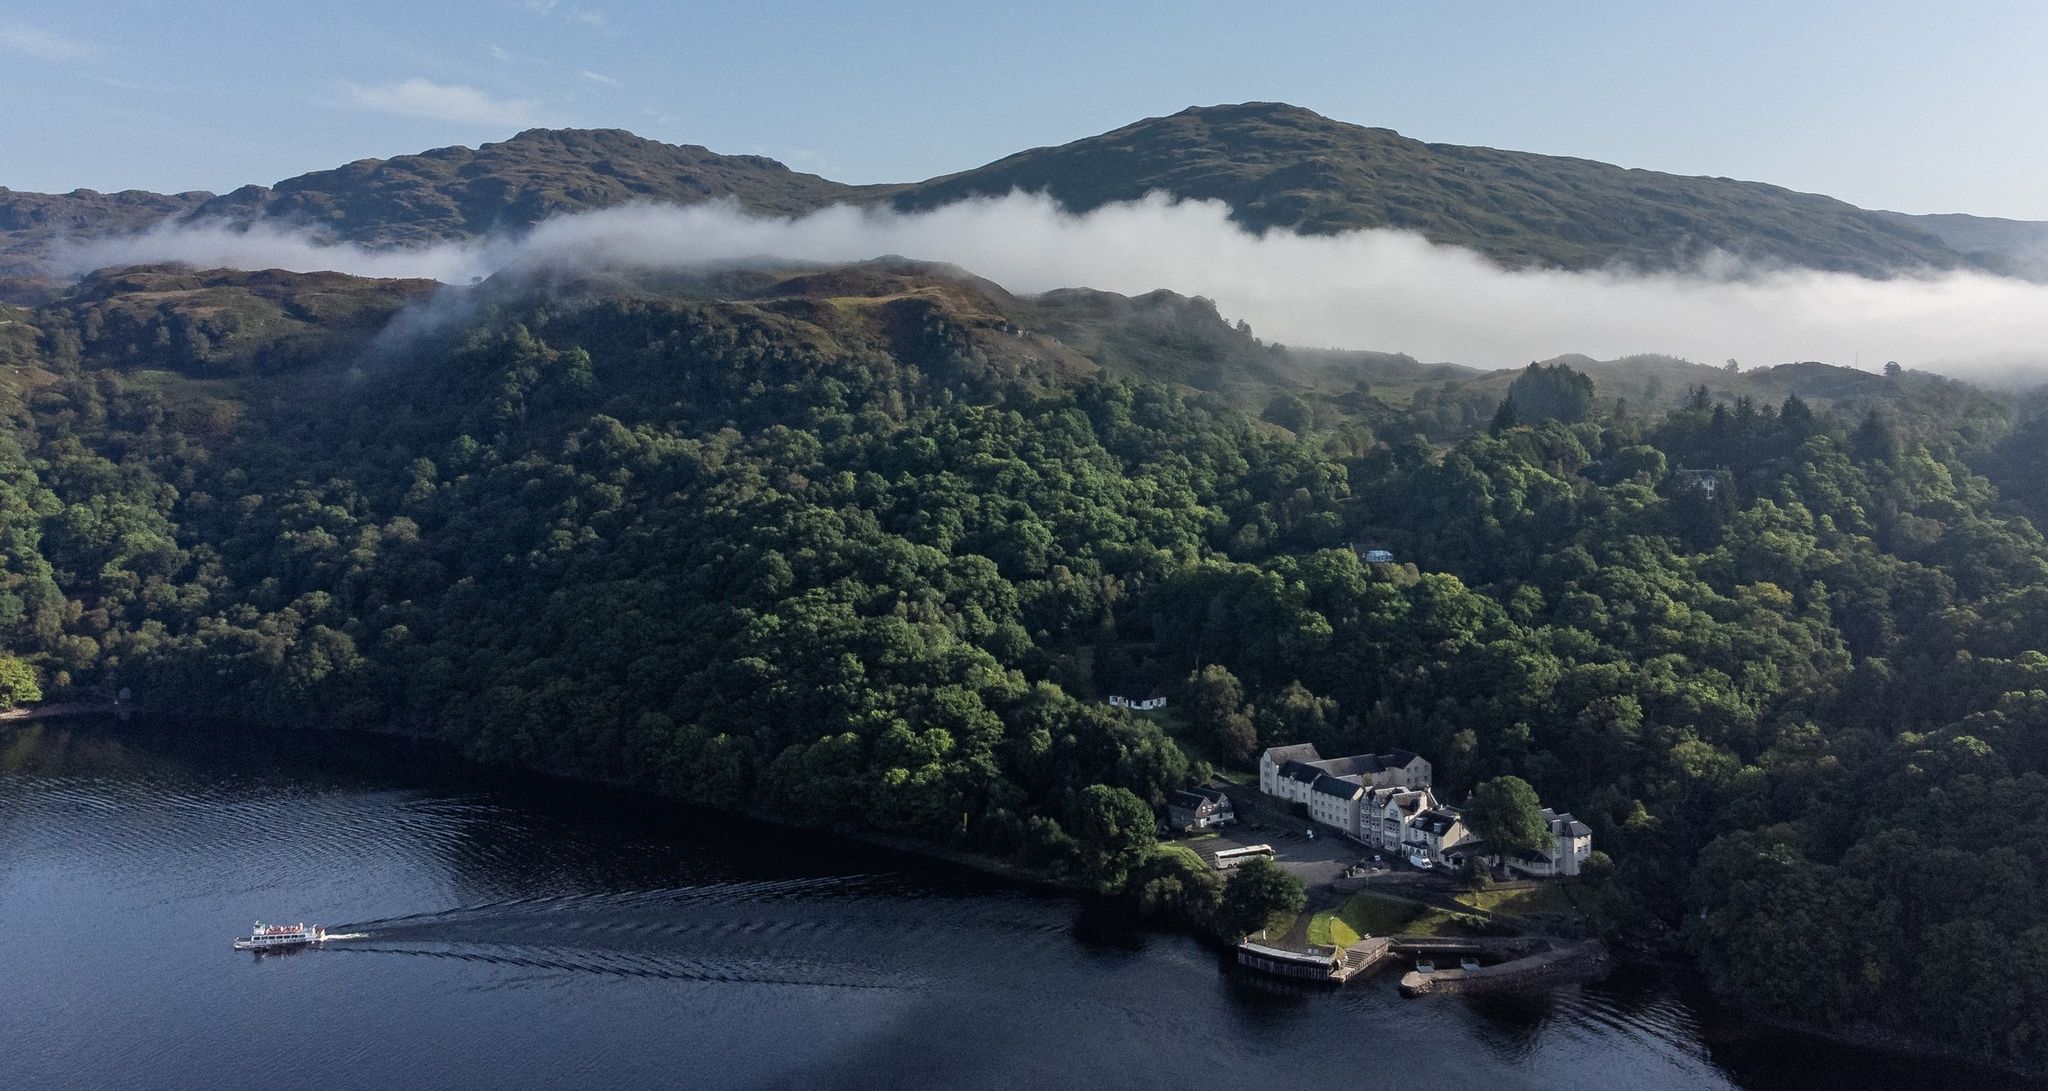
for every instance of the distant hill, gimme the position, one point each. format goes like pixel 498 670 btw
pixel 1283 166
pixel 2015 247
pixel 29 222
pixel 1277 166
pixel 42 216
pixel 459 193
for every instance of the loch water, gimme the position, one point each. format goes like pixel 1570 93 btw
pixel 528 934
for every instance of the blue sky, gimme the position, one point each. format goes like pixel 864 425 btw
pixel 1918 107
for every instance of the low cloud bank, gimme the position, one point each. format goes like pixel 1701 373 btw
pixel 1386 290
pixel 220 245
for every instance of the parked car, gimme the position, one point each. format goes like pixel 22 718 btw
pixel 1425 966
pixel 1468 964
pixel 1417 860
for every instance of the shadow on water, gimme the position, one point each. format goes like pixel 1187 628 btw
pixel 1511 1024
pixel 616 966
pixel 1105 924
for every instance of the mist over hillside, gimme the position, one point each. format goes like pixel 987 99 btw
pixel 1315 231
pixel 1371 289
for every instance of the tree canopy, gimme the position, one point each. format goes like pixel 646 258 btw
pixel 1256 890
pixel 17 683
pixel 1506 814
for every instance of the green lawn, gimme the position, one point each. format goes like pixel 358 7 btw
pixel 1328 929
pixel 1548 900
pixel 1278 925
pixel 1189 855
pixel 1364 915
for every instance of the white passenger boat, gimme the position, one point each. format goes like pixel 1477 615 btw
pixel 269 937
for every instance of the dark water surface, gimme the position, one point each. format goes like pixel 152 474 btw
pixel 541 936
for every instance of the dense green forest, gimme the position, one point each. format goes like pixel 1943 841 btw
pixel 861 550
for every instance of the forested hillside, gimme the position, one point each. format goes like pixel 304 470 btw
pixel 865 547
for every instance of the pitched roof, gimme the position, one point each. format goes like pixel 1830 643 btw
pixel 1351 766
pixel 1564 825
pixel 1366 763
pixel 1213 795
pixel 1301 771
pixel 1301 751
pixel 1341 787
pixel 1189 800
pixel 1435 822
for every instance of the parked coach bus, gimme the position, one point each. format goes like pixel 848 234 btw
pixel 1230 858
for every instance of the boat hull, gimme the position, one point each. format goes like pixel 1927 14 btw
pixel 280 938
pixel 275 945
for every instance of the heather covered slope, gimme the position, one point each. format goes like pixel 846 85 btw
pixel 1283 166
pixel 458 192
pixel 225 322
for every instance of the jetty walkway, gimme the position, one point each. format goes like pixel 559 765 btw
pixel 1335 965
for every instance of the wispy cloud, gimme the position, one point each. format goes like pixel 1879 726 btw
pixel 36 42
pixel 502 55
pixel 586 16
pixel 446 102
pixel 599 77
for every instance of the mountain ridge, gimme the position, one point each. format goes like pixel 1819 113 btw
pixel 1283 166
pixel 1276 165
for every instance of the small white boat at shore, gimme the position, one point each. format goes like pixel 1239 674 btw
pixel 270 937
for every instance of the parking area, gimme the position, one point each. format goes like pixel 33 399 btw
pixel 1314 861
pixel 1317 855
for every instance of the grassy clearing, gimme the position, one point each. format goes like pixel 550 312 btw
pixel 1189 856
pixel 1549 900
pixel 1279 924
pixel 1364 915
pixel 1327 929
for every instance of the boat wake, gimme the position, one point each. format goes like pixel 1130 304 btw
pixel 807 932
